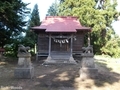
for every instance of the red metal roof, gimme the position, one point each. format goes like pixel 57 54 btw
pixel 60 24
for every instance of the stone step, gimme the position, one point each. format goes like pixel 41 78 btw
pixel 56 53
pixel 60 57
pixel 59 62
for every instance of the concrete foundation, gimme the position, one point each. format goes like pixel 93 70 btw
pixel 24 68
pixel 88 69
pixel 60 59
pixel 24 72
pixel 88 73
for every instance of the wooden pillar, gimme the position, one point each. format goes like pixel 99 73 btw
pixel 49 52
pixel 71 59
pixel 71 45
pixel 88 39
pixel 49 45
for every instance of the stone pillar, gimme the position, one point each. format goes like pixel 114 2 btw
pixel 24 68
pixel 88 69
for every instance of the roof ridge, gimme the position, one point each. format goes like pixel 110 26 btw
pixel 66 17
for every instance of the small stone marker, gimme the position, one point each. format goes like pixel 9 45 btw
pixel 24 68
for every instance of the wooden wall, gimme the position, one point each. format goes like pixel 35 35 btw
pixel 43 43
pixel 57 47
pixel 78 42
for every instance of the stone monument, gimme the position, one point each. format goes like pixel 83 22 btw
pixel 24 68
pixel 88 69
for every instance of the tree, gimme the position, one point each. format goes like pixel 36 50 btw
pixel 112 47
pixel 34 18
pixel 31 38
pixel 12 15
pixel 53 10
pixel 98 16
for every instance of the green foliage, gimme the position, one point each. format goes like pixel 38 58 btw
pixel 12 49
pixel 12 14
pixel 53 10
pixel 12 23
pixel 31 38
pixel 112 47
pixel 98 16
pixel 34 18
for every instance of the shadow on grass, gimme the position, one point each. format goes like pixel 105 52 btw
pixel 105 74
pixel 59 78
pixel 55 76
pixel 65 76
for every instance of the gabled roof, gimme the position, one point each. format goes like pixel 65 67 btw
pixel 60 24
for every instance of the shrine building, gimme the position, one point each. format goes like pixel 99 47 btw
pixel 59 38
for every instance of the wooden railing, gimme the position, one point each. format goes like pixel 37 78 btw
pixel 41 53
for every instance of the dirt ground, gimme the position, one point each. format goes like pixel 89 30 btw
pixel 60 77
